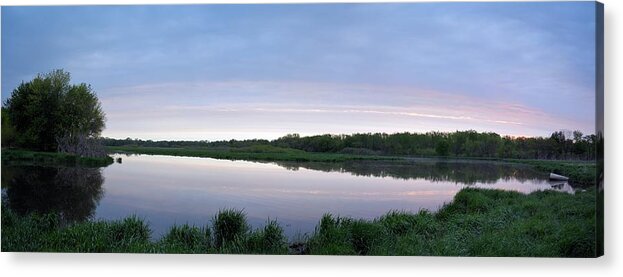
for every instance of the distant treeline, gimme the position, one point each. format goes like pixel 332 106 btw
pixel 560 145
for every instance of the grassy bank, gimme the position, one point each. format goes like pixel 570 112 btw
pixel 229 232
pixel 15 156
pixel 478 222
pixel 580 173
pixel 257 153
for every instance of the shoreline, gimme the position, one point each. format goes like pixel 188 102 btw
pixel 581 173
pixel 478 222
pixel 29 157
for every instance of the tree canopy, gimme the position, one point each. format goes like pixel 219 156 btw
pixel 49 109
pixel 560 145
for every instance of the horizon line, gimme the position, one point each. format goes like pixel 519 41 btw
pixel 341 134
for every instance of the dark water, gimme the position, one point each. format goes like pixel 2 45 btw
pixel 165 190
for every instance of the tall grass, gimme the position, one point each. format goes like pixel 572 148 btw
pixel 479 222
pixel 268 240
pixel 230 226
pixel 187 239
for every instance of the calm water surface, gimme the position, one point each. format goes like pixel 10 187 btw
pixel 166 190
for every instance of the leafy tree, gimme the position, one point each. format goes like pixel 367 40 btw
pixel 577 136
pixel 442 148
pixel 8 132
pixel 49 108
pixel 456 144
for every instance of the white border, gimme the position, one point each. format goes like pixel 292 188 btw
pixel 42 264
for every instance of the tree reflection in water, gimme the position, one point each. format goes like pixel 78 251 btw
pixel 463 172
pixel 71 192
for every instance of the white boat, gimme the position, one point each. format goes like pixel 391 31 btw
pixel 553 176
pixel 562 186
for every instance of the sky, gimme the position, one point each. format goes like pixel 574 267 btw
pixel 213 72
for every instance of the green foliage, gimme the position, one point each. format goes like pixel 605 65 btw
pixel 99 236
pixel 230 226
pixel 365 235
pixel 331 237
pixel 398 223
pixel 8 131
pixel 467 144
pixel 130 229
pixel 49 107
pixel 479 222
pixel 187 239
pixel 261 153
pixel 267 240
pixel 442 148
pixel 266 149
pixel 52 159
pixel 470 201
pixel 44 233
pixel 401 223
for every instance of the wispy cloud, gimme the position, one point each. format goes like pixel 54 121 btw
pixel 513 68
pixel 338 110
pixel 247 109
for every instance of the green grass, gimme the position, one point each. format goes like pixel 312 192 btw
pixel 230 226
pixel 186 239
pixel 44 233
pixel 258 152
pixel 15 156
pixel 479 222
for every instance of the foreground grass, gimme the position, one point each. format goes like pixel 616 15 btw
pixel 257 152
pixel 479 222
pixel 230 234
pixel 15 156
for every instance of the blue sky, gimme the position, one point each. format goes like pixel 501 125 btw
pixel 262 71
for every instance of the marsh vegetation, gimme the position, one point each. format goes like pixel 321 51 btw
pixel 478 222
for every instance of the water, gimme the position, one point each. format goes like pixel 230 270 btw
pixel 165 190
